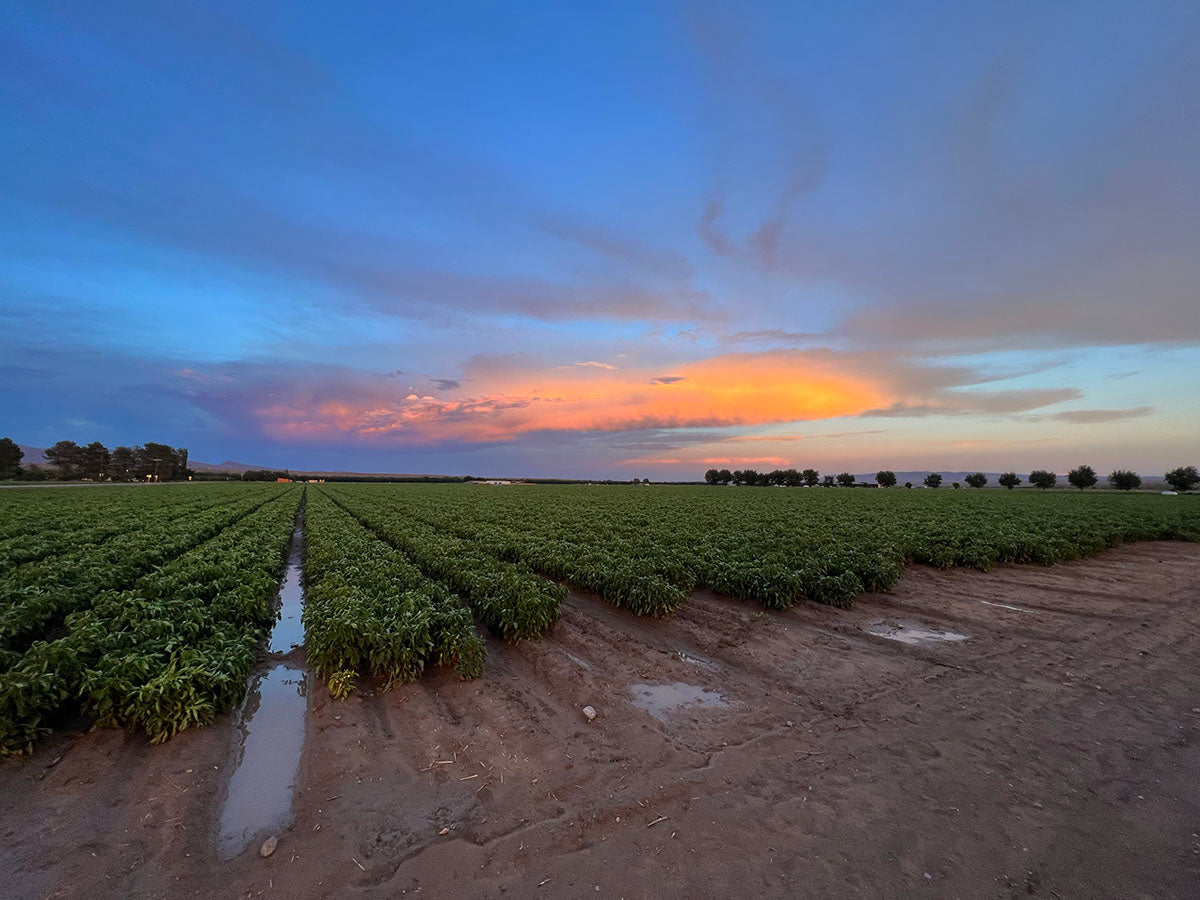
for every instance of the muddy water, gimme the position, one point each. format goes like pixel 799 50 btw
pixel 908 633
pixel 288 632
pixel 661 700
pixel 267 758
pixel 269 738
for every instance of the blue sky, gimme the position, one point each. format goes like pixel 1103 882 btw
pixel 633 240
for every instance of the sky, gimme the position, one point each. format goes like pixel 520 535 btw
pixel 604 240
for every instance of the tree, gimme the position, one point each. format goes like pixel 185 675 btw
pixel 828 482
pixel 846 479
pixel 1125 480
pixel 1040 478
pixel 811 477
pixel 95 461
pixel 908 484
pixel 1082 477
pixel 955 485
pixel 976 480
pixel 1008 480
pixel 122 463
pixel 726 476
pixel 713 476
pixel 66 457
pixel 11 456
pixel 1185 478
pixel 933 480
pixel 885 478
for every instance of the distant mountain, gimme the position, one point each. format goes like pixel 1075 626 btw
pixel 34 456
pixel 228 466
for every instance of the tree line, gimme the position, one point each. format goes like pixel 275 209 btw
pixel 68 461
pixel 1183 478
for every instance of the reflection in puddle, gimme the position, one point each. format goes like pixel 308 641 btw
pixel 289 631
pixel 270 738
pixel 661 699
pixel 907 633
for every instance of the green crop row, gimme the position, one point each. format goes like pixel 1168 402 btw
pixel 169 652
pixel 513 601
pixel 369 611
pixel 34 598
pixel 647 548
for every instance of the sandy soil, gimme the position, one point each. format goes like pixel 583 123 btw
pixel 1051 753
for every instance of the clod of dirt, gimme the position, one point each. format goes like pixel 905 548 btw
pixel 589 713
pixel 268 846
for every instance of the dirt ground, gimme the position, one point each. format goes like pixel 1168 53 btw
pixel 1052 752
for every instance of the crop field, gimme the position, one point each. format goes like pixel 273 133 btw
pixel 146 607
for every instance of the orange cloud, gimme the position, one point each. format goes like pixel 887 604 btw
pixel 515 399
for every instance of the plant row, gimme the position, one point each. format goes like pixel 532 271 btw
pixel 168 653
pixel 511 599
pixel 369 611
pixel 35 598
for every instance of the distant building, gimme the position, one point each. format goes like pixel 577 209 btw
pixel 284 480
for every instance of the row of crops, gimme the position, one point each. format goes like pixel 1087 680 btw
pixel 145 607
pixel 155 627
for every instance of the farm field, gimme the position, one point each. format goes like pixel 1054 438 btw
pixel 781 700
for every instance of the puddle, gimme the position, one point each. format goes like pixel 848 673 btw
pixel 288 632
pixel 267 758
pixel 269 735
pixel 907 633
pixel 662 699
pixel 706 665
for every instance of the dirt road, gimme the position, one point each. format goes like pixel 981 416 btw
pixel 1035 736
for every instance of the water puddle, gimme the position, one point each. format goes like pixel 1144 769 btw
pixel 267 758
pixel 288 632
pixel 908 633
pixel 269 738
pixel 662 699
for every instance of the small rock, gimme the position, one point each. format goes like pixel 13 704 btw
pixel 1037 804
pixel 928 876
pixel 589 713
pixel 444 831
pixel 788 723
pixel 268 846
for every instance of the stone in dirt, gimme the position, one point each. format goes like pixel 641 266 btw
pixel 268 846
pixel 589 713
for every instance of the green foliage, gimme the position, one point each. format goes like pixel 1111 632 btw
pixel 885 478
pixel 1082 477
pixel 163 650
pixel 976 480
pixel 933 480
pixel 370 611
pixel 1125 480
pixel 1040 478
pixel 1184 478
pixel 1008 480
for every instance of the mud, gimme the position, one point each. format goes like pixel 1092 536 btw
pixel 1053 754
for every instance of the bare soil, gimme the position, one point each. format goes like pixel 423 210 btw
pixel 1051 753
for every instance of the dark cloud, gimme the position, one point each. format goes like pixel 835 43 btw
pixel 446 384
pixel 959 403
pixel 668 379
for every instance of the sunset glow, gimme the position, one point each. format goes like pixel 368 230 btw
pixel 633 244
